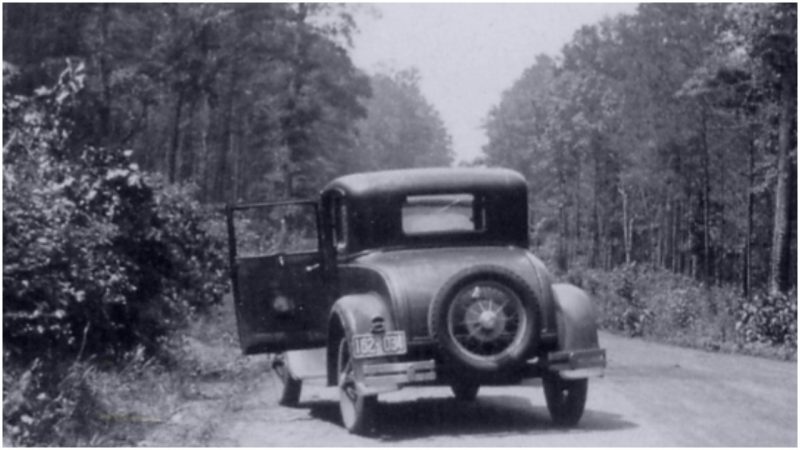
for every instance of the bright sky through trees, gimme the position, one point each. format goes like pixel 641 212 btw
pixel 468 54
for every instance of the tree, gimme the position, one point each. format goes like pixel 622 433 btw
pixel 402 129
pixel 770 37
pixel 664 137
pixel 245 100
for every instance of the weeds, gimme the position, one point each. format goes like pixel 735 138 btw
pixel 668 307
pixel 92 403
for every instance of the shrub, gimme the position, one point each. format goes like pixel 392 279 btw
pixel 197 250
pixel 99 256
pixel 769 318
pixel 659 304
pixel 49 404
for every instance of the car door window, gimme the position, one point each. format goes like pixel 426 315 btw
pixel 340 230
pixel 277 229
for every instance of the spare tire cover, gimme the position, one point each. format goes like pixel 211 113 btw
pixel 485 318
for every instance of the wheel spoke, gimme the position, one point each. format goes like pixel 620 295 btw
pixel 485 319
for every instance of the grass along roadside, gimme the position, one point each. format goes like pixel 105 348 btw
pixel 144 402
pixel 662 306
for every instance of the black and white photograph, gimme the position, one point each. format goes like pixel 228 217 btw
pixel 399 225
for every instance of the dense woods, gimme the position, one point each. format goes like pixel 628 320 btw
pixel 664 138
pixel 249 102
pixel 125 128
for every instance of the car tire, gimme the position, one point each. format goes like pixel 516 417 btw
pixel 292 387
pixel 358 411
pixel 465 391
pixel 466 338
pixel 566 399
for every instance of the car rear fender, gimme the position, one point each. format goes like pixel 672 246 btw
pixel 575 318
pixel 355 314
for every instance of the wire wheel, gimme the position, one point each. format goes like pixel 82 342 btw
pixel 358 411
pixel 486 319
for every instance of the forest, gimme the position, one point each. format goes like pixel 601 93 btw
pixel 126 127
pixel 665 142
pixel 660 150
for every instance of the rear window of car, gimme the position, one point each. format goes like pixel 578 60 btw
pixel 443 213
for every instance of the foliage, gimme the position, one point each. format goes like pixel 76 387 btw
pixel 658 304
pixel 96 259
pixel 769 318
pixel 247 101
pixel 665 138
pixel 197 253
pixel 100 259
pixel 49 404
pixel 85 404
pixel 401 129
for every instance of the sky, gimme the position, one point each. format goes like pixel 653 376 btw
pixel 468 53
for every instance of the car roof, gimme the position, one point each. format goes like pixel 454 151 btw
pixel 427 180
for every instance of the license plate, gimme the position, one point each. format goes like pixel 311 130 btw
pixel 373 345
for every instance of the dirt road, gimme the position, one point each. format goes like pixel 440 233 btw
pixel 652 395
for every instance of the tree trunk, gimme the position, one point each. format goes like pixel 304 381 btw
pixel 673 248
pixel 626 225
pixel 172 161
pixel 706 198
pixel 221 177
pixel 577 204
pixel 594 257
pixel 104 110
pixel 779 258
pixel 203 171
pixel 747 278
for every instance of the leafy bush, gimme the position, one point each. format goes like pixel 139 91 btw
pixel 662 305
pixel 44 404
pixel 99 257
pixel 769 318
pixel 196 247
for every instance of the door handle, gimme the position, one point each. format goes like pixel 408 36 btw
pixel 312 267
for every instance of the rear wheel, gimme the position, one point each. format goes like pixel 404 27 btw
pixel 465 390
pixel 358 411
pixel 566 399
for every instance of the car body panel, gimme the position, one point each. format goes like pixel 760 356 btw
pixel 277 302
pixel 277 296
pixel 415 276
pixel 374 211
pixel 576 317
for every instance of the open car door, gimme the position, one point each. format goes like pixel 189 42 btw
pixel 276 272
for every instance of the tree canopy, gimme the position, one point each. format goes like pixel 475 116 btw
pixel 664 137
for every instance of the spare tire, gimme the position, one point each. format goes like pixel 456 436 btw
pixel 486 319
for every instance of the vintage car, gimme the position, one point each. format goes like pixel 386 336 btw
pixel 410 277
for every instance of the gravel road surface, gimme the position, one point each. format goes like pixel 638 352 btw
pixel 651 395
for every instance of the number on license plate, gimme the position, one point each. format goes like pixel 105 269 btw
pixel 372 345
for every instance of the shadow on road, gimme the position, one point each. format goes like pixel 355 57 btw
pixel 498 414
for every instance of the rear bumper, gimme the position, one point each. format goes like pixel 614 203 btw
pixel 383 377
pixel 377 377
pixel 573 364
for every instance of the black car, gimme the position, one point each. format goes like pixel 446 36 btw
pixel 408 277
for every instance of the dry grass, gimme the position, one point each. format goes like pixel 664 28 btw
pixel 166 400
